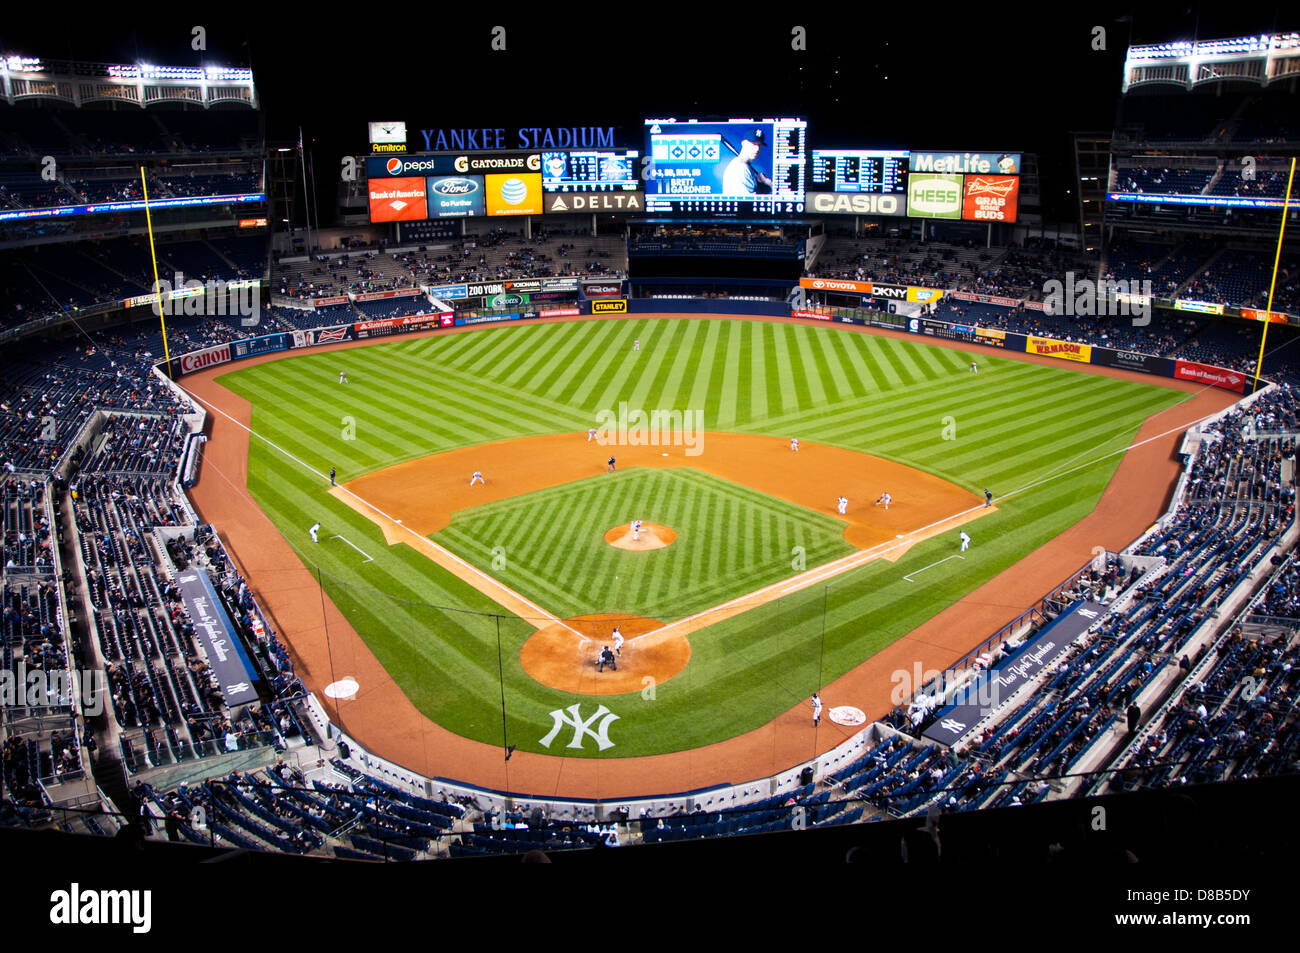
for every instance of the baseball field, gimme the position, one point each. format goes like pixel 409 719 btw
pixel 487 604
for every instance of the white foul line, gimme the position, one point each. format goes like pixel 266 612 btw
pixel 369 558
pixel 909 576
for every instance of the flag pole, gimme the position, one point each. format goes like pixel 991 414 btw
pixel 153 255
pixel 1277 258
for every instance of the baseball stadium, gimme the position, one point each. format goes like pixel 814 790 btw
pixel 466 488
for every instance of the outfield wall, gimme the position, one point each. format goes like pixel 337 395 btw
pixel 994 339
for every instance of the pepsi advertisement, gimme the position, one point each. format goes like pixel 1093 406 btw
pixel 456 196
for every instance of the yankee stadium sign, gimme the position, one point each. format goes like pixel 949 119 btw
pixel 525 137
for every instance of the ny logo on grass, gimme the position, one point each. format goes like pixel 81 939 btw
pixel 658 428
pixel 581 727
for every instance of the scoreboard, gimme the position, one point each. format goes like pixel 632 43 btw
pixel 876 171
pixel 734 168
pixel 591 171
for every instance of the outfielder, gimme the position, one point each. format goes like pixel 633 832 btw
pixel 477 478
pixel 886 499
pixel 618 641
pixel 343 377
pixel 965 541
pixel 843 505
pixel 636 345
pixel 974 368
pixel 315 527
pixel 817 709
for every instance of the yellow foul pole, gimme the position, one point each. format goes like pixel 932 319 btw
pixel 1277 258
pixel 156 288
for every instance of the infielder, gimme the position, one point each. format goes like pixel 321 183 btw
pixel 794 444
pixel 332 483
pixel 591 435
pixel 843 505
pixel 477 478
pixel 965 541
pixel 988 499
pixel 343 377
pixel 314 529
pixel 817 709
pixel 886 499
pixel 618 641
pixel 636 534
pixel 609 465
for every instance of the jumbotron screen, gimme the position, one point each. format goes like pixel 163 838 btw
pixel 878 171
pixel 737 167
pixel 591 171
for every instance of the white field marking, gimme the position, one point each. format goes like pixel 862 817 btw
pixel 369 558
pixel 909 576
pixel 532 607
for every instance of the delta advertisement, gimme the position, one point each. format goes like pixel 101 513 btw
pixel 991 198
pixel 1065 350
pixel 399 200
pixel 1209 374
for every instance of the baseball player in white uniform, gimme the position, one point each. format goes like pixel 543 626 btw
pixel 591 435
pixel 343 377
pixel 477 478
pixel 636 345
pixel 314 529
pixel 843 505
pixel 817 709
pixel 965 541
pixel 974 368
pixel 618 641
pixel 794 444
pixel 636 530
pixel 886 499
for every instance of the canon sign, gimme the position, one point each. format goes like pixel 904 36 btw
pixel 855 203
pixel 208 358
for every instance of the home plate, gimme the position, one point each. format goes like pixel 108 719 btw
pixel 343 688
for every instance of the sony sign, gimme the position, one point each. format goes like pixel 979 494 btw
pixel 856 203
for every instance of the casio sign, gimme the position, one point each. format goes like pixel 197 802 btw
pixel 855 203
pixel 455 186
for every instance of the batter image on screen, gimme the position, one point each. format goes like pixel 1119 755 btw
pixel 741 178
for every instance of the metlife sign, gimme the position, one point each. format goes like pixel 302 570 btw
pixel 934 196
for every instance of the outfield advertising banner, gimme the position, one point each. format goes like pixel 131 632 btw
pixel 456 196
pixel 601 289
pixel 1200 307
pixel 1065 350
pixel 322 336
pixel 815 315
pixel 965 163
pixel 1209 374
pixel 479 291
pixel 450 292
pixel 1132 361
pixel 934 196
pixel 259 345
pixel 519 194
pixel 561 284
pixel 559 312
pixel 487 319
pixel 836 284
pixel 411 322
pixel 208 357
pixel 609 306
pixel 856 203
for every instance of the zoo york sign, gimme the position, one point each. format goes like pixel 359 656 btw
pixel 581 728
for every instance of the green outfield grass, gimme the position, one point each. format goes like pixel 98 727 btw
pixel 1010 425
pixel 733 540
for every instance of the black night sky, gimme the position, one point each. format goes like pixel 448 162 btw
pixel 989 77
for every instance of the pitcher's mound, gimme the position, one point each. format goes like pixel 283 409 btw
pixel 567 656
pixel 652 536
